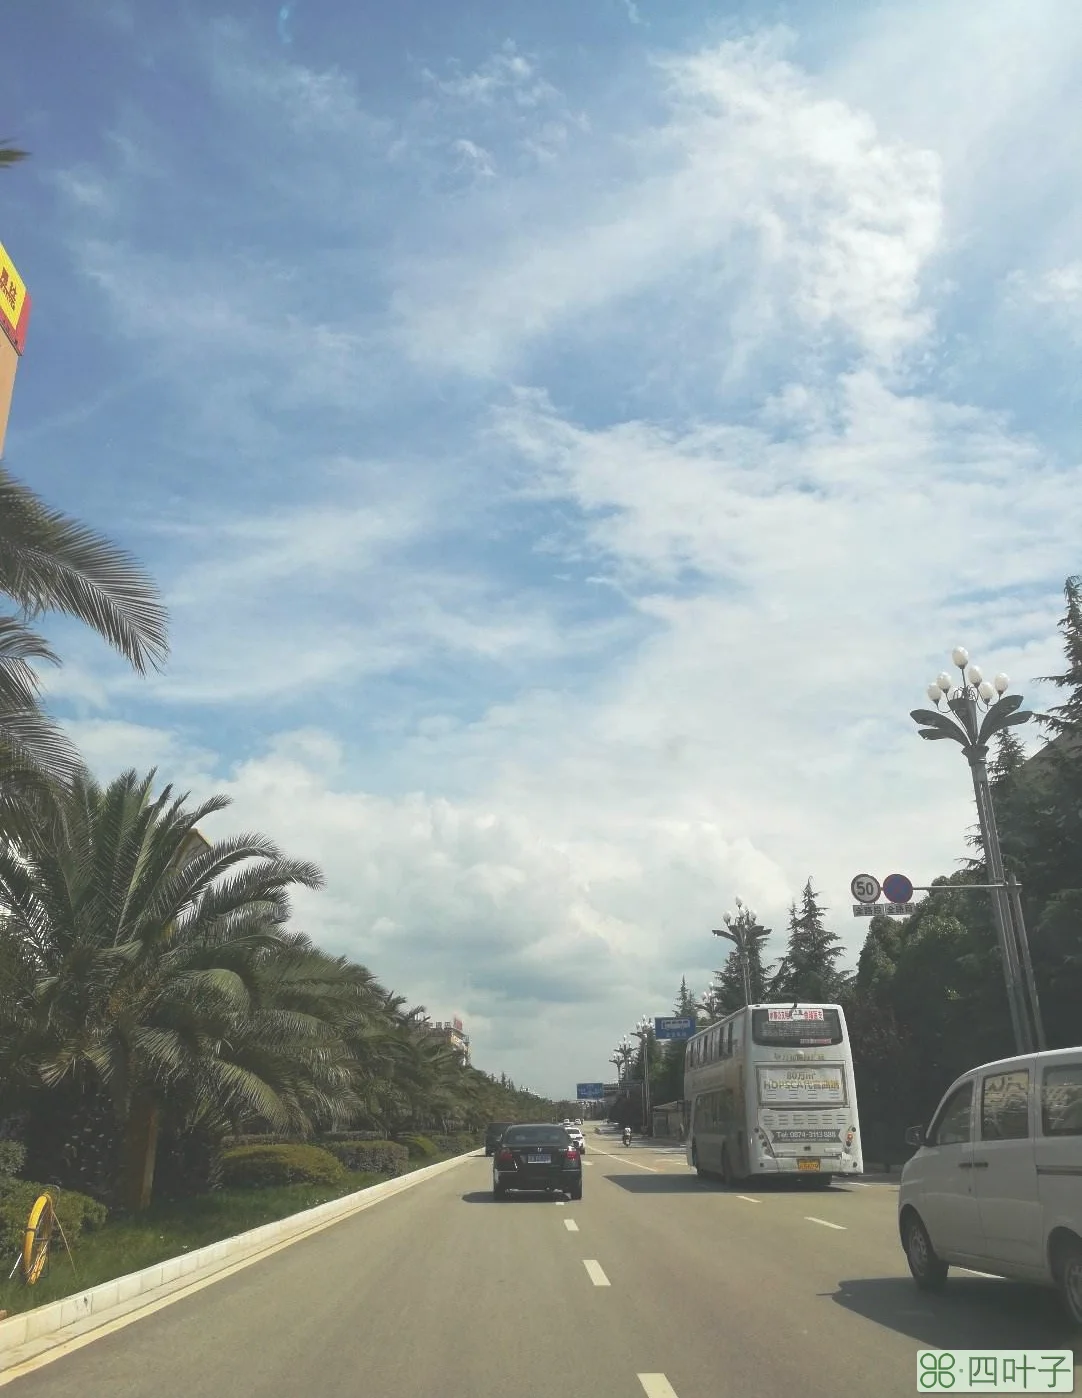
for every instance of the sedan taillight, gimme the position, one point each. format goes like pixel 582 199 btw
pixel 505 1157
pixel 571 1153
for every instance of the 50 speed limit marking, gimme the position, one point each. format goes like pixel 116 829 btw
pixel 865 888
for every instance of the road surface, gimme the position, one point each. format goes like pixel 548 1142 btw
pixel 654 1283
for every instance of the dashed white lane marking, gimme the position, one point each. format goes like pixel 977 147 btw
pixel 561 1203
pixel 657 1386
pixel 594 1272
pixel 571 1225
pixel 826 1223
pixel 990 1275
pixel 636 1164
pixel 748 1199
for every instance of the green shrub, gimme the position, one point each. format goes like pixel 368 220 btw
pixel 77 1213
pixel 263 1167
pixel 375 1157
pixel 12 1157
pixel 468 1140
pixel 420 1147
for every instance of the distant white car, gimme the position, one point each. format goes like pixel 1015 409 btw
pixel 580 1140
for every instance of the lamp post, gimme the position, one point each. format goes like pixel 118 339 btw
pixel 642 1033
pixel 741 929
pixel 980 709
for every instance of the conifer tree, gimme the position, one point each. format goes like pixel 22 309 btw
pixel 1065 720
pixel 810 969
pixel 685 1006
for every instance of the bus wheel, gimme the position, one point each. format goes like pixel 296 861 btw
pixel 695 1162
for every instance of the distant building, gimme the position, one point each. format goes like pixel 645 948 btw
pixel 451 1032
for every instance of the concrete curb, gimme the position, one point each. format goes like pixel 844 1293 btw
pixel 31 1333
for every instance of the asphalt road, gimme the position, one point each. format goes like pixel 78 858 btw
pixel 653 1283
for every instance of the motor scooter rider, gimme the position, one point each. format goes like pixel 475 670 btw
pixel 627 1135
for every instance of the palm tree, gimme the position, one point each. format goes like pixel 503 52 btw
pixel 51 563
pixel 9 155
pixel 148 968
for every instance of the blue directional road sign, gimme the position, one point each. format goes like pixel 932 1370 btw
pixel 680 1027
pixel 897 888
pixel 590 1092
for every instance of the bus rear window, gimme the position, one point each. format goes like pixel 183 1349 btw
pixel 784 1032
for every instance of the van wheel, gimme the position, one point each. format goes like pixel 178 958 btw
pixel 1069 1278
pixel 929 1271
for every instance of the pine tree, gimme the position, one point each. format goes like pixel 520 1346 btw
pixel 1065 720
pixel 1009 759
pixel 810 970
pixel 685 1006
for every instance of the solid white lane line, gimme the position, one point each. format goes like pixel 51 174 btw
pixel 990 1275
pixel 571 1225
pixel 594 1272
pixel 748 1199
pixel 826 1223
pixel 561 1203
pixel 657 1386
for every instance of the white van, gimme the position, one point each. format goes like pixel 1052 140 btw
pixel 996 1185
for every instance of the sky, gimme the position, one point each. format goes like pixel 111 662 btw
pixel 568 438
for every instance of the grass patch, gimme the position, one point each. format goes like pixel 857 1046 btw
pixel 170 1230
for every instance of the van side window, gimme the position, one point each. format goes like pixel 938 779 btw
pixel 1005 1106
pixel 951 1126
pixel 1061 1101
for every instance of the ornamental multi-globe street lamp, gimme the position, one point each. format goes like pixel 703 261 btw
pixel 742 928
pixel 642 1033
pixel 979 709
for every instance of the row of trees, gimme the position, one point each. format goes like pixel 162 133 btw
pixel 927 997
pixel 154 994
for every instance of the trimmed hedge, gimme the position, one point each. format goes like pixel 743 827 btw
pixel 78 1213
pixel 263 1167
pixel 12 1157
pixel 376 1157
pixel 292 1139
pixel 420 1147
pixel 458 1144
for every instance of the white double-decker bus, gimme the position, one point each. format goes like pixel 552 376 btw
pixel 770 1091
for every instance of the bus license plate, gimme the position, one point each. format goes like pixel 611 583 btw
pixel 807 1165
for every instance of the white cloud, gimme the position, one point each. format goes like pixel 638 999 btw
pixel 642 633
pixel 773 200
pixel 507 73
pixel 474 158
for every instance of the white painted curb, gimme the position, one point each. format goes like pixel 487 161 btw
pixel 28 1334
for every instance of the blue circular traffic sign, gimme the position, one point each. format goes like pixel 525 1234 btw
pixel 897 888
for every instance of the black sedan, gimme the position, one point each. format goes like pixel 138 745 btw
pixel 537 1158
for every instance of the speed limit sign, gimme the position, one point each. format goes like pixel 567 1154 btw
pixel 865 888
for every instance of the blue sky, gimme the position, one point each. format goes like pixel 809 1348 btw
pixel 569 438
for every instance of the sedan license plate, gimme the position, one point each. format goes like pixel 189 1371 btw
pixel 807 1165
pixel 539 1160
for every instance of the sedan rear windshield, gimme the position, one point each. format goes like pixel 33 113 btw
pixel 530 1135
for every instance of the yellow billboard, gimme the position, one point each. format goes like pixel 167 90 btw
pixel 14 302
